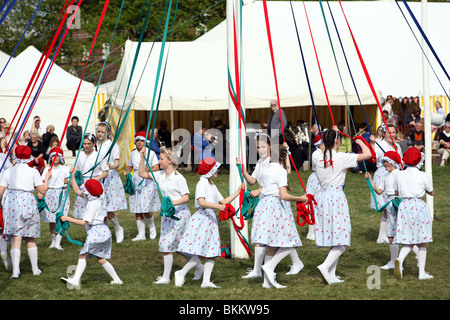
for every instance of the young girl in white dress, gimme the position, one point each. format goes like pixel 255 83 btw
pixel 87 159
pixel 145 200
pixel 56 194
pixel 263 147
pixel 392 162
pixel 98 242
pixel 275 227
pixel 3 243
pixel 173 185
pixel 114 192
pixel 20 212
pixel 382 146
pixel 332 220
pixel 414 220
pixel 201 238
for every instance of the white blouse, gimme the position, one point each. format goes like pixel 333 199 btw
pixel 334 175
pixel 412 183
pixel 173 186
pixel 21 177
pixel 208 191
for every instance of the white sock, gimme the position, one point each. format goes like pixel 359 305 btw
pixel 208 268
pixel 415 249
pixel 278 256
pixel 168 262
pixel 33 255
pixel 332 258
pixel 189 256
pixel 404 251
pixel 422 257
pixel 394 251
pixel 383 224
pixel 294 257
pixel 81 266
pixel 115 222
pixel 58 239
pixel 150 221
pixel 259 258
pixel 3 244
pixel 266 282
pixel 15 260
pixel 141 227
pixel 110 270
pixel 189 265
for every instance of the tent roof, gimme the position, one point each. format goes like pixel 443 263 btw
pixel 57 95
pixel 196 75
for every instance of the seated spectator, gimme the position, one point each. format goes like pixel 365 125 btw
pixel 37 152
pixel 444 143
pixel 413 117
pixel 25 138
pixel 54 143
pixel 417 136
pixel 403 142
pixel 36 127
pixel 48 135
pixel 164 134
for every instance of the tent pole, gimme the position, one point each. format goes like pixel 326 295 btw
pixel 426 107
pixel 237 249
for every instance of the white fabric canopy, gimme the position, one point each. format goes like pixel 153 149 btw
pixel 196 75
pixel 54 102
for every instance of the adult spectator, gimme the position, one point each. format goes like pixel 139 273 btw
pixel 48 135
pixel 156 143
pixel 275 123
pixel 413 117
pixel 164 134
pixel 36 127
pixel 202 145
pixel 417 136
pixel 444 143
pixel 2 124
pixel 73 135
pixel 346 143
pixel 37 152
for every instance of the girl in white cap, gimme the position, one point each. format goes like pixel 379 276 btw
pixel 201 238
pixel 145 200
pixel 392 162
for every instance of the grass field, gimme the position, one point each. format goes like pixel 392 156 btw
pixel 139 263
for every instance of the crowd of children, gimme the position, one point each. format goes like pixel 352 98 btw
pixel 99 193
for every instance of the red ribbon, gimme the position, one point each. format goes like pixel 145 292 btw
pixel 373 158
pixel 229 213
pixel 306 214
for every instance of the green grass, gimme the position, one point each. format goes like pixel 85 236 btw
pixel 139 263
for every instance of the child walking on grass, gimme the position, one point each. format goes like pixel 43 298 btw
pixel 98 242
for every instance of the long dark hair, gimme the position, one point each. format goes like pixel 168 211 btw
pixel 329 139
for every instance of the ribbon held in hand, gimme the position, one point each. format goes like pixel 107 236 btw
pixel 129 186
pixel 228 213
pixel 168 209
pixel 306 214
pixel 61 228
pixel 373 158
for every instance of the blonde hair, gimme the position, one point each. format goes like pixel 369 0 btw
pixel 172 155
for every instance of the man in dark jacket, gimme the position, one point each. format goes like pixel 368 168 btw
pixel 73 135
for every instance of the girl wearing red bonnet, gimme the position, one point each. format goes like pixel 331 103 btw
pixel 201 238
pixel 98 242
pixel 414 221
pixel 20 212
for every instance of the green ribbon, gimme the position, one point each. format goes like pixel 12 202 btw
pixel 248 205
pixel 395 203
pixel 61 228
pixel 41 204
pixel 79 177
pixel 129 186
pixel 168 209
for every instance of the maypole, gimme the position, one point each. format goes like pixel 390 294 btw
pixel 237 137
pixel 426 107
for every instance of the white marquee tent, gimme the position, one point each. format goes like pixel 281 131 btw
pixel 196 76
pixel 55 100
